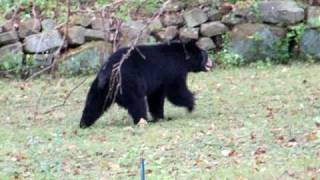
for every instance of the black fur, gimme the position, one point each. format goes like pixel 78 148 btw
pixel 155 72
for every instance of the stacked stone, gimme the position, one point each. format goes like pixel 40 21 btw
pixel 201 24
pixel 254 33
pixel 39 40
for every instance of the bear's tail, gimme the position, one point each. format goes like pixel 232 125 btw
pixel 96 102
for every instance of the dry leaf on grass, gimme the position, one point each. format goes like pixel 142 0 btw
pixel 228 152
pixel 313 136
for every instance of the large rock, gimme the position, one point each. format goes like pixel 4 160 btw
pixel 155 25
pixel 8 37
pixel 101 24
pixel 131 30
pixel 189 33
pixel 172 19
pixel 310 44
pixel 283 12
pixel 206 43
pixel 48 24
pixel 213 28
pixel 39 61
pixel 42 60
pixel 195 17
pixel 91 34
pixel 313 18
pixel 85 59
pixel 42 42
pixel 29 27
pixel 232 20
pixel 213 14
pixel 81 20
pixel 257 41
pixel 10 25
pixel 175 6
pixel 76 35
pixel 238 16
pixel 168 34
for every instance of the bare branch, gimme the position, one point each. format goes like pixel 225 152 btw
pixel 57 52
pixel 115 80
pixel 53 108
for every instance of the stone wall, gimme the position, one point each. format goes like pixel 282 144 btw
pixel 266 29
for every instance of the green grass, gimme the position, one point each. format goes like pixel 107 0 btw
pixel 248 123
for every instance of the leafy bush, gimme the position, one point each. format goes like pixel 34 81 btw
pixel 286 46
pixel 11 63
pixel 226 58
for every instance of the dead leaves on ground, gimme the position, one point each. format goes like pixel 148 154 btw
pixel 228 152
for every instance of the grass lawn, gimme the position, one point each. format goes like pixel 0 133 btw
pixel 249 123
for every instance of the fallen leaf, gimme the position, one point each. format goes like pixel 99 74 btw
pixel 212 127
pixel 276 130
pixel 290 173
pixel 76 172
pixel 253 136
pixel 253 88
pixel 228 152
pixel 292 142
pixel 270 112
pixel 225 152
pixel 23 85
pixel 318 157
pixel 280 139
pixel 19 157
pixel 114 166
pixel 260 150
pixel 218 87
pixel 149 171
pixel 75 132
pixel 100 138
pixel 198 161
pixel 284 70
pixel 260 159
pixel 312 137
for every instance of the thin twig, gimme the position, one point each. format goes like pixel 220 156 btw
pixel 57 52
pixel 36 112
pixel 115 80
pixel 52 65
pixel 53 108
pixel 114 44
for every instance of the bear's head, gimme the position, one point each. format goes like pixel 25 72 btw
pixel 198 59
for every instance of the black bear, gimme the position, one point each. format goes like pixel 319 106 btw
pixel 149 75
